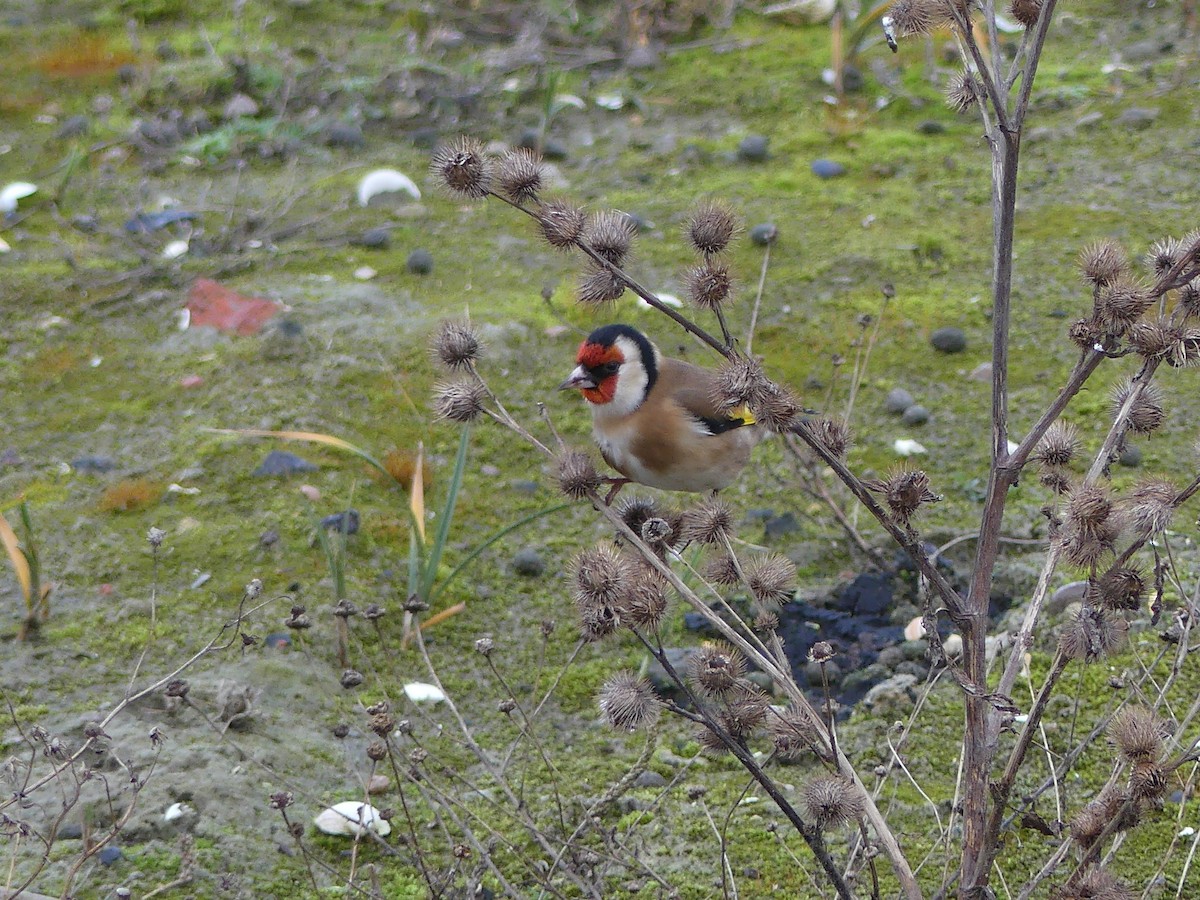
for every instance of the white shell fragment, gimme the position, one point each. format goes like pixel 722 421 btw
pixel 175 249
pixel 667 299
pixel 386 181
pixel 420 692
pixel 353 818
pixel 176 811
pixel 908 447
pixel 14 191
pixel 914 630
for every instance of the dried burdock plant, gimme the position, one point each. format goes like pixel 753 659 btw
pixel 1091 821
pixel 832 434
pixel 792 731
pixel 610 234
pixel 1091 525
pixel 717 669
pixel 831 801
pixel 709 522
pixel 598 285
pixel 1104 263
pixel 722 570
pixel 561 223
pixel 772 578
pixel 1096 884
pixel 520 174
pixel 456 345
pixel 1091 634
pixel 711 227
pixel 1025 11
pixel 577 475
pixel 464 168
pixel 1137 733
pixel 629 703
pixel 459 401
pixel 904 491
pixel 646 603
pixel 741 382
pixel 602 576
pixel 1121 303
pixel 963 91
pixel 1058 445
pixel 1121 588
pixel 708 284
pixel 1147 413
pixel 1163 255
pixel 1149 506
pixel 1148 781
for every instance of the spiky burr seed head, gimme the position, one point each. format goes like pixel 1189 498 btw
pixel 463 168
pixel 777 410
pixel 832 801
pixel 1091 634
pixel 744 713
pixel 1137 733
pixel 914 16
pixel 561 223
pixel 1121 588
pixel 1120 304
pixel 1058 445
pixel 833 434
pixel 628 702
pixel 722 570
pixel 646 602
pixel 717 669
pixel 709 522
pixel 459 401
pixel 1103 263
pixel 598 285
pixel 1189 298
pixel 602 576
pixel 1026 11
pixel 821 652
pixel 904 491
pixel 741 382
pixel 1085 334
pixel 1155 340
pixel 1163 255
pixel 772 579
pixel 708 284
pixel 963 91
pixel 1057 480
pixel 610 234
pixel 1147 413
pixel 635 511
pixel 577 475
pixel 792 731
pixel 596 621
pixel 1147 781
pixel 1149 506
pixel 1096 884
pixel 520 175
pixel 711 227
pixel 456 344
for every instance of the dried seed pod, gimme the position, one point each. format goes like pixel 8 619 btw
pixel 646 602
pixel 1086 334
pixel 832 801
pixel 904 491
pixel 636 511
pixel 1163 255
pixel 1137 733
pixel 1146 413
pixel 628 702
pixel 709 522
pixel 722 570
pixel 561 223
pixel 1058 445
pixel 744 713
pixel 1147 781
pixel 717 669
pixel 596 620
pixel 459 401
pixel 577 475
pixel 912 17
pixel 1120 304
pixel 1056 480
pixel 463 167
pixel 963 91
pixel 708 284
pixel 610 234
pixel 1103 263
pixel 833 434
pixel 1155 340
pixel 1091 634
pixel 1150 506
pixel 741 382
pixel 777 410
pixel 520 175
pixel 456 345
pixel 772 579
pixel 711 227
pixel 597 286
pixel 1121 588
pixel 1026 11
pixel 602 577
pixel 1096 884
pixel 792 731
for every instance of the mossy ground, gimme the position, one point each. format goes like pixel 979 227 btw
pixel 93 363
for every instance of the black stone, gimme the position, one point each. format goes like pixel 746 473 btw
pixel 869 594
pixel 529 562
pixel 345 134
pixel 92 463
pixel 827 168
pixel 374 239
pixel 949 340
pixel 346 522
pixel 74 126
pixel 898 400
pixel 931 126
pixel 764 234
pixel 753 148
pixel 915 415
pixel 779 526
pixel 419 262
pixel 279 462
pixel 109 855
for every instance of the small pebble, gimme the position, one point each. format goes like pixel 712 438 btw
pixel 982 372
pixel 419 262
pixel 239 105
pixel 764 234
pixel 649 779
pixel 529 562
pixel 281 462
pixel 379 784
pixel 1131 456
pixel 74 126
pixel 827 168
pixel 1138 118
pixel 109 855
pixel 93 463
pixel 898 400
pixel 374 239
pixel 915 415
pixel 753 148
pixel 949 340
pixel 345 134
pixel 343 521
pixel 931 126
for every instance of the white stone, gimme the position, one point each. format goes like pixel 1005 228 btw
pixel 915 630
pixel 175 249
pixel 14 191
pixel 353 818
pixel 908 447
pixel 176 811
pixel 420 692
pixel 386 181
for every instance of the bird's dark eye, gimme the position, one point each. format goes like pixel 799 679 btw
pixel 607 369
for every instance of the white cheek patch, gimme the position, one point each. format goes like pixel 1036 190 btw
pixel 631 380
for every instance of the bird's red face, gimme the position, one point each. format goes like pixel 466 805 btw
pixel 596 375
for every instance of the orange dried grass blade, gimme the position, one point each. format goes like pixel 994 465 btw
pixel 16 556
pixel 417 494
pixel 447 613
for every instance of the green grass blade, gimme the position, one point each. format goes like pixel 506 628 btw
pixel 447 515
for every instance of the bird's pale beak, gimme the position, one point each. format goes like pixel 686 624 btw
pixel 580 379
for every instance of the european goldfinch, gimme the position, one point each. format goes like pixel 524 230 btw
pixel 655 419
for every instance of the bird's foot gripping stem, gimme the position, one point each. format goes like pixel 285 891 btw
pixel 615 488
